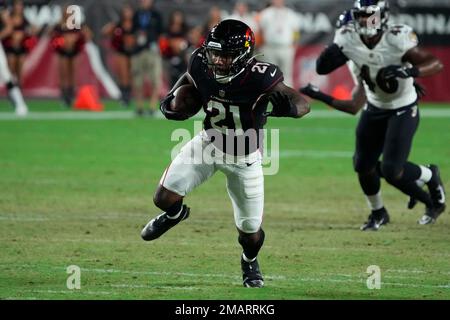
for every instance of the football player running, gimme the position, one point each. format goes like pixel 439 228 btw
pixel 384 60
pixel 235 89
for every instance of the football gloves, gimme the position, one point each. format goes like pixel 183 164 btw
pixel 168 113
pixel 393 71
pixel 314 92
pixel 282 105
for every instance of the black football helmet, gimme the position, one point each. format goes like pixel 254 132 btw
pixel 229 49
pixel 370 16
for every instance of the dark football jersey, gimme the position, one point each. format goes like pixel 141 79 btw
pixel 235 109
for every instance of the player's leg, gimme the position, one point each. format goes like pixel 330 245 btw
pixel 286 58
pixel 123 64
pixel 64 81
pixel 156 72
pixel 13 90
pixel 183 175
pixel 245 186
pixel 138 81
pixel 370 134
pixel 20 62
pixel 402 174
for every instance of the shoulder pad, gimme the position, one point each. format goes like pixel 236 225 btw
pixel 401 36
pixel 267 74
pixel 344 35
pixel 195 59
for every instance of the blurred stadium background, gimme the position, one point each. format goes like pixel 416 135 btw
pixel 430 18
pixel 76 187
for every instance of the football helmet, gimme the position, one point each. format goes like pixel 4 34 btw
pixel 344 19
pixel 228 49
pixel 370 16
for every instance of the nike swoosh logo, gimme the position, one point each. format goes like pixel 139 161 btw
pixel 272 74
pixel 249 165
pixel 401 112
pixel 440 189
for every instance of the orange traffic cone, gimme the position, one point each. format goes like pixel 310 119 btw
pixel 88 99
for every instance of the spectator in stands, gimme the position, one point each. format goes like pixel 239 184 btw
pixel 279 26
pixel 174 45
pixel 20 41
pixel 214 17
pixel 195 40
pixel 6 78
pixel 68 40
pixel 241 13
pixel 123 41
pixel 147 25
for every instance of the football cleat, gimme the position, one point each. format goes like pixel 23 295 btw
pixel 162 223
pixel 376 219
pixel 251 275
pixel 431 215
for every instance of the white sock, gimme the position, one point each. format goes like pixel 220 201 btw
pixel 425 176
pixel 175 216
pixel 247 259
pixel 375 202
pixel 19 103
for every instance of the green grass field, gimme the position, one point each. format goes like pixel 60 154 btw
pixel 78 191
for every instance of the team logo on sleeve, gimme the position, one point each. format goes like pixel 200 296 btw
pixel 413 37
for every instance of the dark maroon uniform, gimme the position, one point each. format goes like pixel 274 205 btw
pixel 59 41
pixel 123 40
pixel 27 42
pixel 232 106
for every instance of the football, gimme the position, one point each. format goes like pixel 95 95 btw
pixel 188 100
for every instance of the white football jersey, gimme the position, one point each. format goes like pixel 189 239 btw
pixel 366 64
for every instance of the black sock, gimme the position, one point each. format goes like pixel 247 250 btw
pixel 370 183
pixel 174 209
pixel 407 184
pixel 252 243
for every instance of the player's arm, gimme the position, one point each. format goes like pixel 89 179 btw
pixel 330 59
pixel 287 102
pixel 167 104
pixel 348 106
pixel 425 62
pixel 108 29
pixel 87 32
pixel 7 26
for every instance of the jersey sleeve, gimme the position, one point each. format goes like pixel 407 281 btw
pixel 271 77
pixel 194 65
pixel 341 36
pixel 402 37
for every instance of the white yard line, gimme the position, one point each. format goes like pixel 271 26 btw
pixel 356 278
pixel 111 115
pixel 142 286
pixel 81 291
pixel 321 154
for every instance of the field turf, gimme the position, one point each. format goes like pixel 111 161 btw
pixel 76 189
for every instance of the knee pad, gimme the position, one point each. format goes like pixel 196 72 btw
pixel 360 167
pixel 249 225
pixel 391 172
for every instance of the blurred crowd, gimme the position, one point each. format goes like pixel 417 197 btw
pixel 145 48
